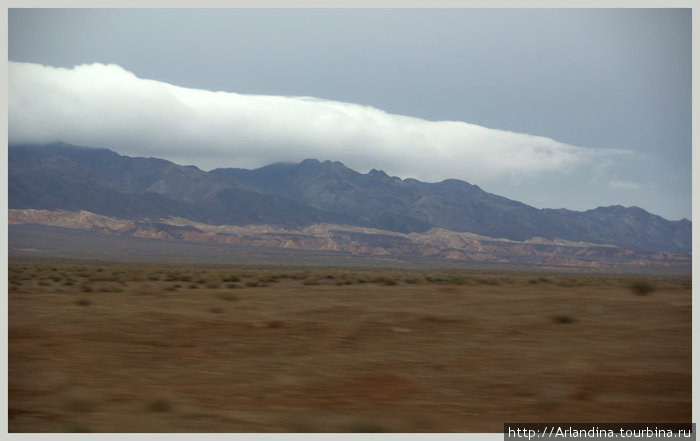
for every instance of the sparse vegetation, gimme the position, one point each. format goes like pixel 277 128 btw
pixel 642 287
pixel 311 282
pixel 90 278
pixel 113 288
pixel 160 405
pixel 342 344
pixel 343 281
pixel 536 280
pixel 456 281
pixel 564 319
pixel 488 281
pixel 413 280
pixel 385 280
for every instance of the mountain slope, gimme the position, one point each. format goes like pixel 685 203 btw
pixel 62 176
pixel 435 246
pixel 406 205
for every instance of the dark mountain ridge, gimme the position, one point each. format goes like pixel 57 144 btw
pixel 62 176
pixel 406 205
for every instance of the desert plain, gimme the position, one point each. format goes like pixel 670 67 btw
pixel 127 347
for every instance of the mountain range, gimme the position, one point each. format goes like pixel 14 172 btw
pixel 62 177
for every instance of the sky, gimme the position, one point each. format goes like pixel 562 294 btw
pixel 557 108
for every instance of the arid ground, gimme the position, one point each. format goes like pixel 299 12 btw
pixel 188 348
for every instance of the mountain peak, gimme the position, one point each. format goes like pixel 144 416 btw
pixel 310 161
pixel 619 209
pixel 337 166
pixel 378 174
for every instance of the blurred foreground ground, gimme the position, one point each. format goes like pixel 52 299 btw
pixel 146 348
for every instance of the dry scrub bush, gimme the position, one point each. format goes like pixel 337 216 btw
pixel 311 282
pixel 160 405
pixel 564 319
pixel 642 287
pixel 213 284
pixel 413 280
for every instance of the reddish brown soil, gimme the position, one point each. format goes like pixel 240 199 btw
pixel 291 357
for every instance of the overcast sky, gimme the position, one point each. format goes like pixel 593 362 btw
pixel 570 108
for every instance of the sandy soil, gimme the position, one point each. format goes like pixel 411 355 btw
pixel 140 353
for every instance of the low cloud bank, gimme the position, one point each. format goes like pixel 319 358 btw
pixel 108 106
